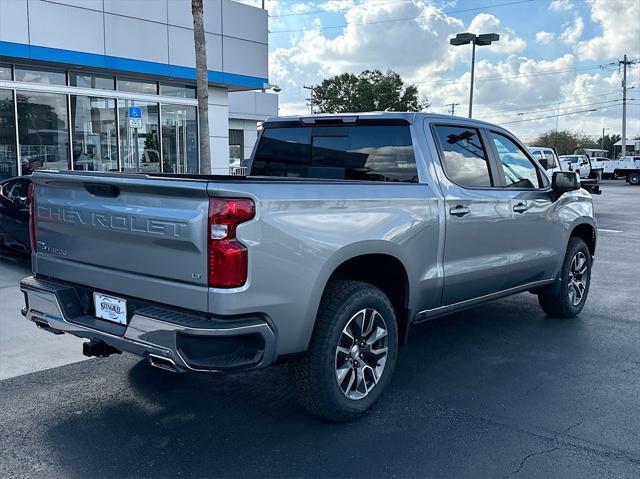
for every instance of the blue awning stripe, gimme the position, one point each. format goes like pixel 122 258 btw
pixel 107 62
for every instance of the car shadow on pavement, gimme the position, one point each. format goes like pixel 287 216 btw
pixel 454 376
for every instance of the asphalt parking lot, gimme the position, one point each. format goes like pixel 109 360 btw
pixel 496 391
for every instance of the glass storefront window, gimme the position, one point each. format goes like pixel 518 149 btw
pixel 5 72
pixel 181 91
pixel 137 86
pixel 8 151
pixel 43 131
pixel 101 82
pixel 47 77
pixel 236 148
pixel 94 133
pixel 139 137
pixel 179 139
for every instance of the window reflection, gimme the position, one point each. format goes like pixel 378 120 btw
pixel 139 140
pixel 5 72
pixel 85 80
pixel 8 152
pixel 43 131
pixel 181 91
pixel 48 77
pixel 519 171
pixel 179 139
pixel 464 158
pixel 94 133
pixel 137 86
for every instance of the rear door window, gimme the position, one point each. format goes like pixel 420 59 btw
pixel 464 157
pixel 349 152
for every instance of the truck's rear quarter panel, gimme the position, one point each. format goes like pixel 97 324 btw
pixel 304 230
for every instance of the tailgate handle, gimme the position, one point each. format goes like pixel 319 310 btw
pixel 100 189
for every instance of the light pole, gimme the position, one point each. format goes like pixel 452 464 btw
pixel 463 39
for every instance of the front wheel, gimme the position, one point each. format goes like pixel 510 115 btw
pixel 352 353
pixel 566 299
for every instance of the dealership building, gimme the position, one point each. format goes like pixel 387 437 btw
pixel 109 85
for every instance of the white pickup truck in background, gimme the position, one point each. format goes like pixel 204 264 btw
pixel 627 167
pixel 577 163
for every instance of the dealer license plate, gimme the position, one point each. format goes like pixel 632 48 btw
pixel 110 308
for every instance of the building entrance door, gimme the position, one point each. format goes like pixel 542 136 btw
pixel 179 139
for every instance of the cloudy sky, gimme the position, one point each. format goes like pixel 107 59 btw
pixel 552 54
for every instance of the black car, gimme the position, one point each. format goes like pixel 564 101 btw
pixel 14 214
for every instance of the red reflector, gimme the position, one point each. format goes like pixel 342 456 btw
pixel 32 220
pixel 228 257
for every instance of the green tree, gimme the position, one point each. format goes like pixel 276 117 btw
pixel 371 90
pixel 565 142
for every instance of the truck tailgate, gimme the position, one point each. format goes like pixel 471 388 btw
pixel 130 234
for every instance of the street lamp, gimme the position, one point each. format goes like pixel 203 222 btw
pixel 463 39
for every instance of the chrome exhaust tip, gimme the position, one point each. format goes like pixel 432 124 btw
pixel 162 363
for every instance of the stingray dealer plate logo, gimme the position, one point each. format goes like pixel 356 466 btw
pixel 110 308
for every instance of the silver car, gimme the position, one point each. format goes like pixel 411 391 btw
pixel 349 230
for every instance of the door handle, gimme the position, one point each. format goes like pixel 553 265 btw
pixel 459 211
pixel 520 208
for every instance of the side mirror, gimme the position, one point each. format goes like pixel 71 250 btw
pixel 563 181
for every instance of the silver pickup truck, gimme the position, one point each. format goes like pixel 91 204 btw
pixel 349 230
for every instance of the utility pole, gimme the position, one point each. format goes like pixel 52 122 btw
pixel 453 108
pixel 310 100
pixel 624 62
pixel 555 135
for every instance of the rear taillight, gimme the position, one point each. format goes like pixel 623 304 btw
pixel 32 219
pixel 228 257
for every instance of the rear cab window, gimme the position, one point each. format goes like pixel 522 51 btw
pixel 345 152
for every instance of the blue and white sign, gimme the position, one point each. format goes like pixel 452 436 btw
pixel 135 112
pixel 135 117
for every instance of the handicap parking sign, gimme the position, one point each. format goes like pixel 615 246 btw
pixel 135 117
pixel 135 112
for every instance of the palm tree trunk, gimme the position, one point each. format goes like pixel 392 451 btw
pixel 202 84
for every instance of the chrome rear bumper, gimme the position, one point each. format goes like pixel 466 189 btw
pixel 191 342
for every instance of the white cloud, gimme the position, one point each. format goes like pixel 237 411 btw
pixel 544 38
pixel 573 31
pixel 509 42
pixel 383 43
pixel 561 5
pixel 620 30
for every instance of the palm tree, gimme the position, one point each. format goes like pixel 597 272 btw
pixel 202 85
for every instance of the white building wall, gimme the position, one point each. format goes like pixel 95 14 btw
pixel 219 130
pixel 246 109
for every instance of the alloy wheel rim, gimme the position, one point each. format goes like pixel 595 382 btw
pixel 361 354
pixel 578 278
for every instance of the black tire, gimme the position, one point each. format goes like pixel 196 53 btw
pixel 555 300
pixel 634 178
pixel 315 375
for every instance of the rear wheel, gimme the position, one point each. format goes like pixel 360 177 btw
pixel 634 178
pixel 567 298
pixel 352 353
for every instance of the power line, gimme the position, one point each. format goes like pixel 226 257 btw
pixel 402 19
pixel 336 10
pixel 554 116
pixel 554 103
pixel 601 66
